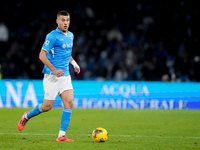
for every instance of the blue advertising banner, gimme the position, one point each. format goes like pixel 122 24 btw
pixel 106 94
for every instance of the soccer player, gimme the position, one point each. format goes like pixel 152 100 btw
pixel 56 56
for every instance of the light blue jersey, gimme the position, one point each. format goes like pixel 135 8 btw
pixel 59 48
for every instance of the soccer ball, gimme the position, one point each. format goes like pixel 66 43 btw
pixel 99 134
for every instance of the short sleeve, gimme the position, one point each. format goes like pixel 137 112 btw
pixel 49 42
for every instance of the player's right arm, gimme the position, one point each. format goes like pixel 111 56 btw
pixel 46 48
pixel 45 60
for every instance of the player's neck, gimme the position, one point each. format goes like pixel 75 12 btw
pixel 65 32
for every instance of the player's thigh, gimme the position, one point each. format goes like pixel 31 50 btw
pixel 51 86
pixel 67 97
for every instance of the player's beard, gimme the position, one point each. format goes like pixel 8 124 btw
pixel 63 29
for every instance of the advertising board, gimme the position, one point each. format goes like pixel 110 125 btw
pixel 106 94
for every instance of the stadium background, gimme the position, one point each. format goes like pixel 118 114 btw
pixel 136 41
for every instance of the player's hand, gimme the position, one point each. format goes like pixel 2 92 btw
pixel 58 72
pixel 77 70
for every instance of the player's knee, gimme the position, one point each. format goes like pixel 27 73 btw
pixel 70 104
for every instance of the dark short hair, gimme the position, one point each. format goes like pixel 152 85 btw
pixel 62 12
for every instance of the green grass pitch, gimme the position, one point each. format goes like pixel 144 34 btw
pixel 127 129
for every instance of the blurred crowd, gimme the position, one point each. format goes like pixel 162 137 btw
pixel 137 40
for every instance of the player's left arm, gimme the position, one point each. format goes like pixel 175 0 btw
pixel 75 65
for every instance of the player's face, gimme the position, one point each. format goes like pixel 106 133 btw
pixel 63 23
